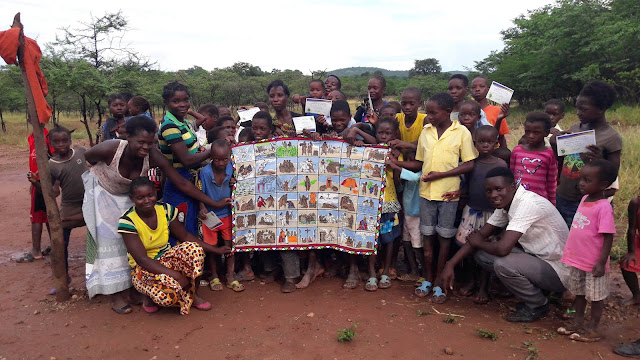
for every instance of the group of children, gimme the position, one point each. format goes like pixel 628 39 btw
pixel 434 196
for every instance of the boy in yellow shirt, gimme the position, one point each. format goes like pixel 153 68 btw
pixel 442 144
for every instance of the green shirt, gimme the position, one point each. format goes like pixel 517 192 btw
pixel 173 131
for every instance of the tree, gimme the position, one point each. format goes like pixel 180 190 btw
pixel 12 94
pixel 430 66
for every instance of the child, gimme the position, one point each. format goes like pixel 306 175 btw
pixel 245 135
pixel 138 105
pixel 217 178
pixel 410 121
pixel 117 108
pixel 210 116
pixel 471 116
pixel 262 106
pixel 262 127
pixel 442 144
pixel 332 83
pixel 386 131
pixel 66 168
pixel 411 238
pixel 38 215
pixel 587 249
pixel 630 263
pixel 316 91
pixel 496 115
pixel 478 208
pixel 555 109
pixel 534 165
pixel 591 105
pixel 503 153
pixel 336 95
pixel 458 88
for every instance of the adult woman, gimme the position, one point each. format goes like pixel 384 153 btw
pixel 278 98
pixel 376 88
pixel 331 83
pixel 165 275
pixel 179 144
pixel 114 164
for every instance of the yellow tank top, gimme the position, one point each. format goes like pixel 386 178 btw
pixel 156 241
pixel 412 133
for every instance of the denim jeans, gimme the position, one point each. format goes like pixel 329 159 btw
pixel 567 209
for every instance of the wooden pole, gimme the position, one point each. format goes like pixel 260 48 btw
pixel 57 240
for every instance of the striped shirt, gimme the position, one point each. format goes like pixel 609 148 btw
pixel 155 241
pixel 544 231
pixel 173 131
pixel 537 171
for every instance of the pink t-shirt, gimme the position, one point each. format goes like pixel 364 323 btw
pixel 537 171
pixel 584 244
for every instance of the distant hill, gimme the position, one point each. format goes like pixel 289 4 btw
pixel 359 70
pixel 356 71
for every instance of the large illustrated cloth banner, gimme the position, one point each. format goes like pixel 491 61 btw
pixel 298 194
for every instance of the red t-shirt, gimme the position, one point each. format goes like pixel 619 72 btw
pixel 33 165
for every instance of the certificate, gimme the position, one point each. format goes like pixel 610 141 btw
pixel 318 106
pixel 499 93
pixel 575 143
pixel 304 123
pixel 247 115
pixel 212 221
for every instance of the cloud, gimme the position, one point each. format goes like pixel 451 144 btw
pixel 304 34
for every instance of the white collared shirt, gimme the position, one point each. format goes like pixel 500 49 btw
pixel 544 231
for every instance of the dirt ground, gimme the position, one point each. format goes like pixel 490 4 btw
pixel 261 322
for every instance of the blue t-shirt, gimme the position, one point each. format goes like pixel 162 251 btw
pixel 215 191
pixel 411 194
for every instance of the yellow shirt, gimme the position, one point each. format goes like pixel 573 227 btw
pixel 412 133
pixel 443 154
pixel 155 241
pixel 390 194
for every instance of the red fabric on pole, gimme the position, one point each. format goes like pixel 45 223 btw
pixel 9 44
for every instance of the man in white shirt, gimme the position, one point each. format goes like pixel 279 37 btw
pixel 534 224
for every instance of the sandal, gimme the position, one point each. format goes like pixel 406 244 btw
pixel 420 281
pixel 385 282
pixel 438 297
pixel 351 283
pixel 46 251
pixel 393 274
pixel 372 284
pixel 408 277
pixel 27 258
pixel 235 286
pixel 123 310
pixel 585 335
pixel 423 290
pixel 569 328
pixel 150 309
pixel 204 282
pixel 215 285
pixel 205 306
pixel 243 277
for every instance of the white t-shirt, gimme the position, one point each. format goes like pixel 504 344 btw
pixel 544 231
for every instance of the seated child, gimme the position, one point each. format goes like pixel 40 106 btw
pixel 534 165
pixel 587 249
pixel 217 179
pixel 165 275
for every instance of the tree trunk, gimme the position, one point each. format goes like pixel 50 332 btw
pixel 4 127
pixel 85 121
pixel 53 214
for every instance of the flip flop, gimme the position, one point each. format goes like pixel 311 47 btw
pixel 420 281
pixel 242 277
pixel 46 251
pixel 236 286
pixel 408 277
pixel 123 310
pixel 372 284
pixel 385 282
pixel 215 285
pixel 150 309
pixel 27 258
pixel 205 306
pixel 423 290
pixel 438 297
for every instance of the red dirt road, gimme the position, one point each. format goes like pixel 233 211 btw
pixel 260 323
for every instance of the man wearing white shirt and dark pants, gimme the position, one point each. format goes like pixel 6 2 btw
pixel 533 266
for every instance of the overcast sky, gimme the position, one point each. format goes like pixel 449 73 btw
pixel 303 34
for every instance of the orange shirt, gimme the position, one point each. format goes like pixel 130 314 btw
pixel 492 112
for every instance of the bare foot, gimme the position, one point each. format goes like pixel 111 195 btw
pixel 482 297
pixel 308 277
pixel 352 282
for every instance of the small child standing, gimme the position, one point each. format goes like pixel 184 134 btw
pixel 471 116
pixel 411 122
pixel 496 115
pixel 442 144
pixel 587 249
pixel 458 88
pixel 138 105
pixel 117 108
pixel 534 165
pixel 478 208
pixel 630 262
pixel 555 109
pixel 216 180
